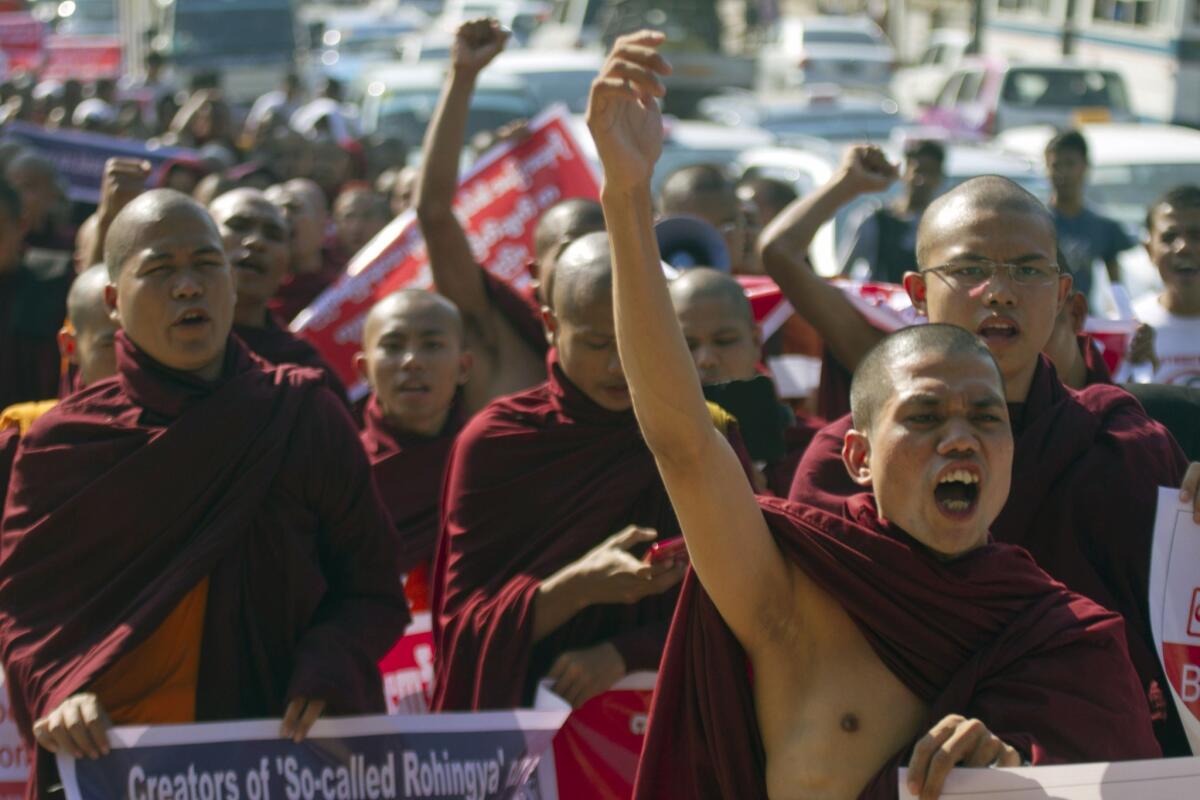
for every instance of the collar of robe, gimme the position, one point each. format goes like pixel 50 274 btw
pixel 570 401
pixel 168 392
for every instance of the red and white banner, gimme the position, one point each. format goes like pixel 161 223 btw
pixel 1175 605
pixel 21 39
pixel 84 58
pixel 407 669
pixel 498 203
pixel 14 758
pixel 596 752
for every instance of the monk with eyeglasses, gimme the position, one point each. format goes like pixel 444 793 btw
pixel 1087 464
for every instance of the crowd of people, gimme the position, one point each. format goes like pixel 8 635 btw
pixel 948 567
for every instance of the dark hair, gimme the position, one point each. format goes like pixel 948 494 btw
pixel 1186 196
pixel 925 148
pixel 10 201
pixel 1068 141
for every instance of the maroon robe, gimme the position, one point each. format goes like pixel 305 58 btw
pixel 408 470
pixel 256 481
pixel 277 345
pixel 535 481
pixel 988 635
pixel 33 306
pixel 1086 470
pixel 1093 360
pixel 300 289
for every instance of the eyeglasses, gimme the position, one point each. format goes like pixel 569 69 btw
pixel 969 274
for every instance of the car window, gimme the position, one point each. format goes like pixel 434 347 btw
pixel 934 55
pixel 968 90
pixel 1032 88
pixel 945 98
pixel 838 37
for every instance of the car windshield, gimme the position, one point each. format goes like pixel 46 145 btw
pixel 1125 191
pixel 838 37
pixel 407 114
pixel 568 86
pixel 837 124
pixel 207 30
pixel 370 43
pixel 1033 88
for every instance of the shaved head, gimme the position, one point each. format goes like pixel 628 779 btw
pixel 410 302
pixel 582 277
pixel 703 284
pixel 688 186
pixel 85 300
pixel 148 208
pixel 987 194
pixel 310 193
pixel 565 222
pixel 874 379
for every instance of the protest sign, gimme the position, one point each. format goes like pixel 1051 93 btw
pixel 1163 779
pixel 83 58
pixel 498 203
pixel 596 753
pixel 80 157
pixel 1175 605
pixel 21 40
pixel 407 669
pixel 14 758
pixel 481 755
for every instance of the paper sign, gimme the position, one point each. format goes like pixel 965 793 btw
pixel 1175 605
pixel 498 204
pixel 14 758
pixel 480 756
pixel 407 669
pixel 1164 779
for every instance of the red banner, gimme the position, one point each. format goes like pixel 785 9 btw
pixel 21 38
pixel 407 669
pixel 498 203
pixel 84 58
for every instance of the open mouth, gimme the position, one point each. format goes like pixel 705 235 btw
pixel 250 264
pixel 412 389
pixel 1186 269
pixel 957 492
pixel 192 319
pixel 998 329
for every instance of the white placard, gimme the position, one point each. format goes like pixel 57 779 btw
pixel 1164 779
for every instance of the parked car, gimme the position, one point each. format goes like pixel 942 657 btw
pixel 987 96
pixel 918 84
pixel 824 113
pixel 810 167
pixel 353 42
pixel 1132 165
pixel 399 100
pixel 849 51
pixel 553 76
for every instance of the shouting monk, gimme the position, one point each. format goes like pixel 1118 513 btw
pixel 1087 464
pixel 504 328
pixel 415 361
pixel 892 622
pixel 255 235
pixel 547 492
pixel 238 561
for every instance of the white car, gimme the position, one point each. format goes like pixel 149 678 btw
pixel 848 51
pixel 809 168
pixel 1132 165
pixel 553 76
pixel 919 84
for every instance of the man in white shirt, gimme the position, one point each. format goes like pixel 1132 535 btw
pixel 1173 243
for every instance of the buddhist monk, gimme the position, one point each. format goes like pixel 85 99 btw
pixel 255 237
pixel 415 361
pixel 547 492
pixel 889 633
pixel 33 300
pixel 1076 358
pixel 503 325
pixel 314 264
pixel 707 192
pixel 238 562
pixel 358 214
pixel 986 252
pixel 726 344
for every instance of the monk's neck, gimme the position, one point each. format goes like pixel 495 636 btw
pixel 308 263
pixel 253 315
pixel 406 426
pixel 1017 384
pixel 1181 303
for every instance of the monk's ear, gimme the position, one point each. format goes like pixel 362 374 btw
pixel 756 333
pixel 856 455
pixel 110 302
pixel 914 284
pixel 360 365
pixel 1078 311
pixel 466 361
pixel 66 344
pixel 1065 282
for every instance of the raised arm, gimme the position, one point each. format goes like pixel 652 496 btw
pixel 455 272
pixel 731 548
pixel 784 243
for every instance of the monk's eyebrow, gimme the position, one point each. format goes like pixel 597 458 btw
pixel 207 250
pixel 990 401
pixel 920 400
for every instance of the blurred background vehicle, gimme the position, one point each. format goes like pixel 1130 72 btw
pixel 918 84
pixel 842 50
pixel 821 111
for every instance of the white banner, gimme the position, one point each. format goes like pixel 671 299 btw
pixel 1164 779
pixel 1175 605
